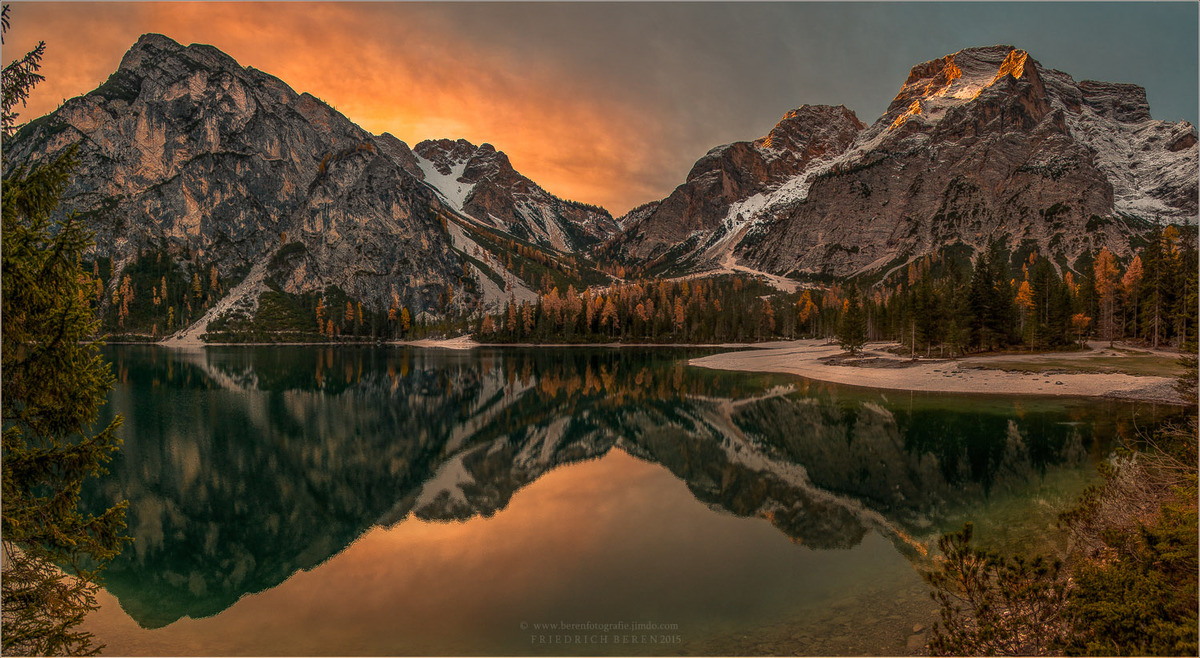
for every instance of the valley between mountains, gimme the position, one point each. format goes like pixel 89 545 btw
pixel 971 216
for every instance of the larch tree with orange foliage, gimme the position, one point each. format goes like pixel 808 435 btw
pixel 1107 276
pixel 1130 283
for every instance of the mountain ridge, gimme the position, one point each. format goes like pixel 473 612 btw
pixel 829 218
pixel 230 175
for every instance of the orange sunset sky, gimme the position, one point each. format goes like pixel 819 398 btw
pixel 608 103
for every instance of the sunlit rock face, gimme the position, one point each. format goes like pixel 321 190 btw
pixel 480 182
pixel 185 150
pixel 984 144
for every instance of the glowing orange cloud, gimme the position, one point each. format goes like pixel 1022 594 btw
pixel 394 68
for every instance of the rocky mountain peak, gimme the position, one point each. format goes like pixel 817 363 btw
pixel 468 162
pixel 188 158
pixel 703 217
pixel 157 55
pixel 446 154
pixel 812 130
pixel 980 144
pixel 994 72
pixel 147 48
pixel 480 182
pixel 1118 101
pixel 399 152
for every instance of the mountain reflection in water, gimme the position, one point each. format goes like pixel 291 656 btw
pixel 243 466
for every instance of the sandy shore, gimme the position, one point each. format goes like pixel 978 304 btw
pixel 804 358
pixel 464 342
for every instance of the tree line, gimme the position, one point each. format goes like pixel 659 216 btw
pixel 993 305
pixel 726 308
pixel 938 305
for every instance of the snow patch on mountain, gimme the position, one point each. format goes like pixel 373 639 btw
pixel 454 191
pixel 1138 162
pixel 535 219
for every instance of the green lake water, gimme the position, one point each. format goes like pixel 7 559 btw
pixel 400 501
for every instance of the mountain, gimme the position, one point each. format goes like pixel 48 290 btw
pixel 979 145
pixel 196 172
pixel 185 151
pixel 225 203
pixel 480 182
pixel 711 208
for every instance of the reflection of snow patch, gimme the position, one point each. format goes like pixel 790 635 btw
pixel 547 438
pixel 449 479
pixel 741 449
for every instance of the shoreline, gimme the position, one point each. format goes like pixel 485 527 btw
pixel 970 375
pixel 460 343
pixel 815 359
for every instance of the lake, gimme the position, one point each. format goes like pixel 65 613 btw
pixel 556 501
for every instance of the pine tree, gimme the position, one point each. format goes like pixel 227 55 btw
pixel 53 385
pixel 766 323
pixel 806 311
pixel 1188 306
pixel 1154 288
pixel 1002 314
pixel 979 296
pixel 526 318
pixel 927 312
pixel 1026 304
pixel 852 331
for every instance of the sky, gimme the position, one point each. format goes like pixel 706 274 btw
pixel 612 103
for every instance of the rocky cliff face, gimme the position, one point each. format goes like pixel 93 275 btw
pixel 983 144
pixel 479 182
pixel 186 151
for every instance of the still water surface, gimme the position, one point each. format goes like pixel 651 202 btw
pixel 295 500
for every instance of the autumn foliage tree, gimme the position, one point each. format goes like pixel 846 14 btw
pixel 1106 282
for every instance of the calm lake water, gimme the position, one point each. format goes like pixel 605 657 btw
pixel 295 500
